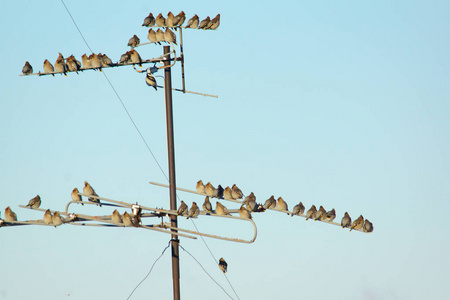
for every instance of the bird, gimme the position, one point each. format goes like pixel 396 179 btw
pixel 236 193
pixel 134 41
pixel 127 220
pixel 135 57
pixel 223 265
pixel 75 196
pixel 150 79
pixel 170 37
pixel 209 189
pixel 35 202
pixel 179 19
pixel 204 23
pixel 149 20
pixel 200 187
pixel 106 61
pixel 221 210
pixel 192 22
pixel 95 62
pixel 331 215
pixel 169 20
pixel 89 191
pixel 86 62
pixel 160 35
pixel 319 213
pixel 10 215
pixel 207 205
pixel 194 211
pixel 48 217
pixel 310 213
pixel 227 193
pixel 281 204
pixel 27 68
pixel 160 21
pixel 152 36
pixel 299 209
pixel 270 203
pixel 48 67
pixel 72 64
pixel 56 219
pixel 346 220
pixel 125 57
pixel 220 192
pixel 60 65
pixel 182 209
pixel 368 226
pixel 214 24
pixel 250 201
pixel 358 223
pixel 244 213
pixel 116 217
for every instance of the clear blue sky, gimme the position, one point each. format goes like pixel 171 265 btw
pixel 335 103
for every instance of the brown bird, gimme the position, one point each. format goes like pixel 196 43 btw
pixel 244 213
pixel 346 220
pixel 48 217
pixel 89 191
pixel 27 68
pixel 86 62
pixel 209 189
pixel 223 265
pixel 358 223
pixel 116 217
pixel 331 215
pixel 127 220
pixel 310 213
pixel 10 215
pixel 179 19
pixel 214 24
pixel 56 219
pixel 60 65
pixel 72 64
pixel 106 61
pixel 207 205
pixel 149 20
pixel 152 36
pixel 368 226
pixel 250 201
pixel 124 58
pixel 200 187
pixel 282 205
pixel 35 202
pixel 221 210
pixel 299 209
pixel 95 62
pixel 194 211
pixel 204 23
pixel 160 35
pixel 160 21
pixel 169 20
pixel 75 196
pixel 227 193
pixel 170 37
pixel 135 57
pixel 318 215
pixel 134 41
pixel 48 67
pixel 193 22
pixel 270 203
pixel 236 193
pixel 182 210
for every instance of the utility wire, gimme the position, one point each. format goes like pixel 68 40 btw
pixel 150 270
pixel 206 271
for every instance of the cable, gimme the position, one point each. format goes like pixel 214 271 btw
pixel 206 271
pixel 150 270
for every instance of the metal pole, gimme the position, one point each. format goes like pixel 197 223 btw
pixel 173 191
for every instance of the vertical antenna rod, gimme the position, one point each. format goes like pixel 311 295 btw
pixel 171 154
pixel 182 59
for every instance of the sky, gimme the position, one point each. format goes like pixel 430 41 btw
pixel 336 103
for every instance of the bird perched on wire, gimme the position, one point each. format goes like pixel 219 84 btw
pixel 346 220
pixel 149 20
pixel 106 61
pixel 75 196
pixel 35 202
pixel 244 213
pixel 192 22
pixel 89 191
pixel 86 62
pixel 150 79
pixel 220 192
pixel 299 209
pixel 209 189
pixel 152 36
pixel 207 205
pixel 282 205
pixel 135 57
pixel 270 203
pixel 221 210
pixel 331 215
pixel 160 35
pixel 227 194
pixel 318 215
pixel 204 23
pixel 223 265
pixel 358 223
pixel 48 67
pixel 169 20
pixel 95 62
pixel 48 217
pixel 27 68
pixel 134 41
pixel 124 58
pixel 170 36
pixel 116 217
pixel 127 220
pixel 200 187
pixel 214 24
pixel 10 215
pixel 72 64
pixel 310 213
pixel 236 193
pixel 182 210
pixel 250 201
pixel 160 21
pixel 179 19
pixel 194 211
pixel 60 65
pixel 368 226
pixel 56 219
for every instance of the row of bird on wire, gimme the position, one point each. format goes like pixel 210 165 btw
pixel 249 205
pixel 178 21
